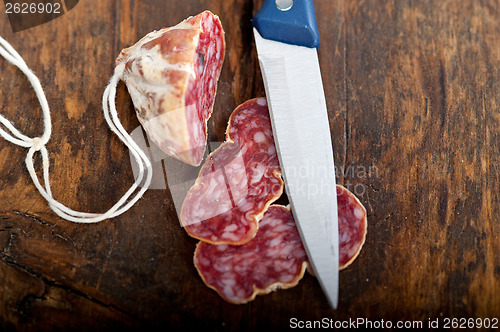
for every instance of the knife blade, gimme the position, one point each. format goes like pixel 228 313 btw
pixel 286 36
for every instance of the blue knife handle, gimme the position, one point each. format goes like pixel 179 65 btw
pixel 295 26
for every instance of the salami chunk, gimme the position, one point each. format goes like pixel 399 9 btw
pixel 274 259
pixel 238 181
pixel 171 75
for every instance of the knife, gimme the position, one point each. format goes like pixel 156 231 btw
pixel 286 36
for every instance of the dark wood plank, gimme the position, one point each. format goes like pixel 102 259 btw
pixel 412 97
pixel 422 109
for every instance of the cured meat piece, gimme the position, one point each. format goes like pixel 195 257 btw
pixel 274 259
pixel 352 226
pixel 171 75
pixel 238 181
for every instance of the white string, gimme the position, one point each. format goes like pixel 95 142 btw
pixel 36 144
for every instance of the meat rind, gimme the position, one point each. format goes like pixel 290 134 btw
pixel 237 182
pixel 274 259
pixel 171 75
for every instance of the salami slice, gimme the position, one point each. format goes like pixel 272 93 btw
pixel 274 259
pixel 171 75
pixel 238 181
pixel 352 226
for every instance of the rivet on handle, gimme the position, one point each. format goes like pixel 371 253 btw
pixel 284 5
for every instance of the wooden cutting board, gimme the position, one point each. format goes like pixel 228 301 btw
pixel 412 91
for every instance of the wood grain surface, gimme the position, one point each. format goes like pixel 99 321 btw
pixel 412 90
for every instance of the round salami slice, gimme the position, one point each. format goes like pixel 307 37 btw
pixel 352 226
pixel 274 259
pixel 238 181
pixel 171 75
